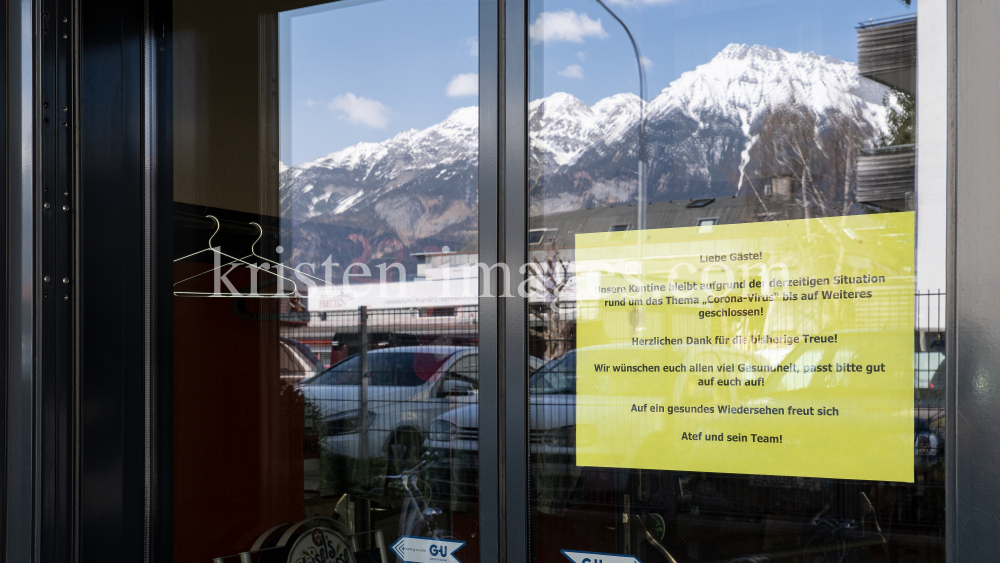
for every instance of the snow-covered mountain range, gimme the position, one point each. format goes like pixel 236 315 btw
pixel 419 188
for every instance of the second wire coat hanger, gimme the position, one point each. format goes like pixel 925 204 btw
pixel 233 263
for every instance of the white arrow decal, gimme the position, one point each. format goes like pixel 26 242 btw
pixel 410 549
pixel 596 557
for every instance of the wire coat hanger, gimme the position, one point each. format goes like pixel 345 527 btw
pixel 234 262
pixel 253 252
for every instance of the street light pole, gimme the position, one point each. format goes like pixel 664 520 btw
pixel 642 202
pixel 642 198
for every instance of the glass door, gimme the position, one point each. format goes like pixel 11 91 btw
pixel 326 380
pixel 736 256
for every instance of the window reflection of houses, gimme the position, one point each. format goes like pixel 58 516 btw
pixel 887 54
pixel 778 201
pixel 911 175
pixel 886 176
pixel 553 289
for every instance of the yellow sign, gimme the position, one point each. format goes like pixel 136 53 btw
pixel 777 348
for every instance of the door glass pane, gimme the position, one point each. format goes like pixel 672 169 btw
pixel 325 311
pixel 738 271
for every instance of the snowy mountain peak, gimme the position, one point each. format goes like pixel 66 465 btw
pixel 559 101
pixel 618 103
pixel 455 132
pixel 562 126
pixel 462 118
pixel 741 51
pixel 350 157
pixel 762 54
pixel 700 131
pixel 550 111
pixel 744 81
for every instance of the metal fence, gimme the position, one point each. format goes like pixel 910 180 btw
pixel 418 408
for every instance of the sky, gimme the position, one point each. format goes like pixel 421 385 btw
pixel 363 71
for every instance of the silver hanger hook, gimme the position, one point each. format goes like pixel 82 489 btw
pixel 253 252
pixel 260 235
pixel 218 227
pixel 234 261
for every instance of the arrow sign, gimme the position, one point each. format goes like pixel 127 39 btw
pixel 596 557
pixel 426 550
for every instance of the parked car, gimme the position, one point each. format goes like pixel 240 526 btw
pixel 296 361
pixel 555 436
pixel 408 387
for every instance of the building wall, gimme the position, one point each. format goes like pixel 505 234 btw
pixel 932 143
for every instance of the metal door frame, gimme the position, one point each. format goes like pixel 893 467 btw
pixel 118 433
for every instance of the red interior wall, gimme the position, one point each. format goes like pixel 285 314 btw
pixel 237 429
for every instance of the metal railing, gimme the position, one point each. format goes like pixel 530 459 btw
pixel 887 52
pixel 422 368
pixel 886 174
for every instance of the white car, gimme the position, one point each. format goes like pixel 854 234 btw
pixel 407 388
pixel 454 440
pixel 552 393
pixel 297 361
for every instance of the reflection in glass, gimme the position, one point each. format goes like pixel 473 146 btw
pixel 780 111
pixel 332 150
